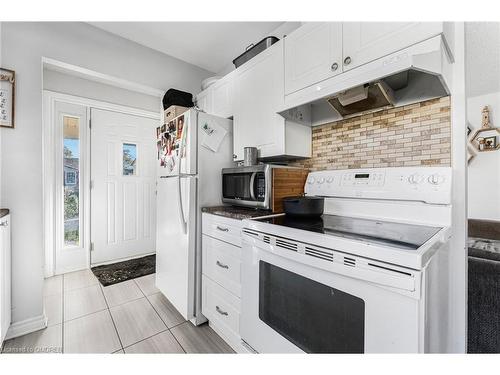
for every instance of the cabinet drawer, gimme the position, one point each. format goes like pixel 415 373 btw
pixel 220 306
pixel 225 229
pixel 222 263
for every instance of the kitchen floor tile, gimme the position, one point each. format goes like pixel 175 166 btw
pixel 147 284
pixel 161 343
pixel 170 316
pixel 120 293
pixel 83 301
pixel 93 333
pixel 53 306
pixel 79 279
pixel 48 340
pixel 201 339
pixel 53 285
pixel 136 321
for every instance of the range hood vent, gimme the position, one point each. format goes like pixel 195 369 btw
pixel 363 99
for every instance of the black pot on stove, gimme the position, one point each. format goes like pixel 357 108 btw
pixel 304 206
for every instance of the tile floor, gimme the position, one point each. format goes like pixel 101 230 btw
pixel 129 317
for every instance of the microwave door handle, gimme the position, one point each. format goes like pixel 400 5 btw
pixel 252 182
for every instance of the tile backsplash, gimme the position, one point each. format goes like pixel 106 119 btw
pixel 414 135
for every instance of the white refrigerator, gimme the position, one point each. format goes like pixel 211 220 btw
pixel 192 150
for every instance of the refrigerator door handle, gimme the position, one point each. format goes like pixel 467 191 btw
pixel 182 148
pixel 181 207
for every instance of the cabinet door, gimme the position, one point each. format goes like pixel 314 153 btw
pixel 367 41
pixel 204 101
pixel 312 53
pixel 222 96
pixel 258 96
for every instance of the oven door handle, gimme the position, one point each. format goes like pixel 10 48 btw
pixel 252 182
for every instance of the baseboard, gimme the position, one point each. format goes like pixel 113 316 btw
pixel 26 326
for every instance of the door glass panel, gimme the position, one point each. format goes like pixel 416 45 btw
pixel 315 317
pixel 129 159
pixel 71 176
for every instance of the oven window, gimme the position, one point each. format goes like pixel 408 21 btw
pixel 311 315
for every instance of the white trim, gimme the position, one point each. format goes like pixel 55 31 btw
pixel 98 104
pixel 457 318
pixel 48 160
pixel 122 259
pixel 95 76
pixel 26 326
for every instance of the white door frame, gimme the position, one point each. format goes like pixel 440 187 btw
pixel 49 171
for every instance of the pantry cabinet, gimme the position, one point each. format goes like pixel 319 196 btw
pixel 363 42
pixel 5 276
pixel 312 53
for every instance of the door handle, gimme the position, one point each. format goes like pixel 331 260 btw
pixel 222 312
pixel 252 182
pixel 222 229
pixel 221 265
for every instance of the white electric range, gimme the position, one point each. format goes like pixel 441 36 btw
pixel 369 276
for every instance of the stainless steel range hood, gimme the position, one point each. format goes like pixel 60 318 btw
pixel 409 76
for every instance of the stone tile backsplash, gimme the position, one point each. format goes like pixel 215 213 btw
pixel 414 135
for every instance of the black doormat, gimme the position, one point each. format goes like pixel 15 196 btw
pixel 110 274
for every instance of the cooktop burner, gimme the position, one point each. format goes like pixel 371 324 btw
pixel 402 236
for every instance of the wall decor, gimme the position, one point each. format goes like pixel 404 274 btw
pixel 7 97
pixel 485 138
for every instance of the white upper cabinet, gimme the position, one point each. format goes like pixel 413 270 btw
pixel 204 100
pixel 367 41
pixel 259 92
pixel 222 96
pixel 312 53
pixel 218 99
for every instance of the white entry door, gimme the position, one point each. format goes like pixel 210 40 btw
pixel 123 214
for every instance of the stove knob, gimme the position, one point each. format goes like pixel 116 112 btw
pixel 435 179
pixel 415 179
pixel 329 180
pixel 310 180
pixel 321 180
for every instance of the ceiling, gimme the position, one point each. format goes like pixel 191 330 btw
pixel 482 51
pixel 209 45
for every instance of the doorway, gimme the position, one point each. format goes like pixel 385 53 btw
pixel 99 182
pixel 123 214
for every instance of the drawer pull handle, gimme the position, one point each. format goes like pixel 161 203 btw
pixel 222 312
pixel 222 229
pixel 221 265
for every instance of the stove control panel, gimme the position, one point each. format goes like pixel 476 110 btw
pixel 426 184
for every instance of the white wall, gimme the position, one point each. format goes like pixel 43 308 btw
pixel 68 84
pixel 484 169
pixel 23 45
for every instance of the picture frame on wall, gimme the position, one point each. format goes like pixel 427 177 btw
pixel 7 97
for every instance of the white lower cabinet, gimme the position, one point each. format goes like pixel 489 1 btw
pixel 5 277
pixel 221 279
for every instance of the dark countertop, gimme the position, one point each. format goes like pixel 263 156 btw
pixel 4 212
pixel 238 213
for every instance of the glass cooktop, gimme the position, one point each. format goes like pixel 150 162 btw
pixel 402 236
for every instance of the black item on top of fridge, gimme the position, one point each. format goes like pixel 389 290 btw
pixel 177 97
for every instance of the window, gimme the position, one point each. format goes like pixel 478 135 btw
pixel 129 159
pixel 70 178
pixel 71 165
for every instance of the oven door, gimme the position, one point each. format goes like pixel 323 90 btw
pixel 290 306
